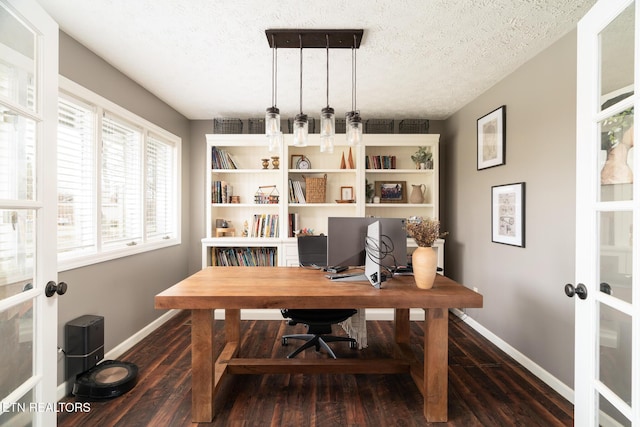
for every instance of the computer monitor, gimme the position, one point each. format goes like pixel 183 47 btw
pixel 346 237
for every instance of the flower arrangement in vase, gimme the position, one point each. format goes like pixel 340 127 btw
pixel 425 231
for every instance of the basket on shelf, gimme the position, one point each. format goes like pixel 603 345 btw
pixel 256 126
pixel 379 126
pixel 263 198
pixel 316 189
pixel 227 125
pixel 414 126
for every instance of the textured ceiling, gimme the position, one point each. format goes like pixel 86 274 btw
pixel 418 58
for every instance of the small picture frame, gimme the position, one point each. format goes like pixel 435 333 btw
pixel 346 193
pixel 508 214
pixel 295 158
pixel 492 132
pixel 391 191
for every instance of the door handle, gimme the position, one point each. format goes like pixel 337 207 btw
pixel 53 288
pixel 580 290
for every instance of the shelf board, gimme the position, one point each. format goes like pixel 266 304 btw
pixel 322 171
pixel 322 205
pixel 244 205
pixel 399 205
pixel 416 171
pixel 271 171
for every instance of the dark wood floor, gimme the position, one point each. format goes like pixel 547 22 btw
pixel 486 387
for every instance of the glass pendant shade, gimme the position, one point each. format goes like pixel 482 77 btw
pixel 327 130
pixel 275 142
pixel 354 130
pixel 300 130
pixel 272 121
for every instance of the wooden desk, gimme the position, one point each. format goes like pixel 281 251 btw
pixel 234 288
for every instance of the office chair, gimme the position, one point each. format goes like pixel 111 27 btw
pixel 312 252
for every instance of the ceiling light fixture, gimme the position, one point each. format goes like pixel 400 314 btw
pixel 327 119
pixel 272 116
pixel 326 39
pixel 301 122
pixel 352 118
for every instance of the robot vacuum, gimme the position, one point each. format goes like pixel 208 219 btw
pixel 106 380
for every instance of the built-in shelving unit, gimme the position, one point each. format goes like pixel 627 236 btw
pixel 246 153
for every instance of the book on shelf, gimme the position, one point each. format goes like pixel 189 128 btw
pixel 222 159
pixel 265 225
pixel 296 191
pixel 294 223
pixel 380 162
pixel 245 256
pixel 221 192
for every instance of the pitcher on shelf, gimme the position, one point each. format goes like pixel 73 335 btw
pixel 417 194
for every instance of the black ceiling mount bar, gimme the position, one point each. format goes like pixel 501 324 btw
pixel 316 38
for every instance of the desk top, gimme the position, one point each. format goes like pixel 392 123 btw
pixel 277 287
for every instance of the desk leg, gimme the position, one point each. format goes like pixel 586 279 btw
pixel 401 325
pixel 232 325
pixel 202 375
pixel 436 331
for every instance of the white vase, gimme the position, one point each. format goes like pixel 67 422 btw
pixel 425 264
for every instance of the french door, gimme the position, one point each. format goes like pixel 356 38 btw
pixel 607 288
pixel 28 214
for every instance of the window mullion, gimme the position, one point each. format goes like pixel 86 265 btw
pixel 98 183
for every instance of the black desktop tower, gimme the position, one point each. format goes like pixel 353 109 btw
pixel 84 344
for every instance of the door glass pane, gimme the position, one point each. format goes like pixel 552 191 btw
pixel 616 157
pixel 615 351
pixel 17 156
pixel 16 333
pixel 616 254
pixel 617 56
pixel 20 413
pixel 610 416
pixel 17 246
pixel 17 64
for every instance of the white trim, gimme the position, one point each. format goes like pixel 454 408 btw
pixel 65 388
pixel 74 92
pixel 416 314
pixel 561 388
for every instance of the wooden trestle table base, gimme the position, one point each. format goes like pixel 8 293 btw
pixel 234 288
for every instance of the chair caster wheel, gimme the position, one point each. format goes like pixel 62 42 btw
pixel 353 345
pixel 285 341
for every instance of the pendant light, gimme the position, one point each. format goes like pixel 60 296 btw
pixel 327 118
pixel 300 123
pixel 272 116
pixel 353 119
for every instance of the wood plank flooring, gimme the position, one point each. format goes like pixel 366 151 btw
pixel 486 387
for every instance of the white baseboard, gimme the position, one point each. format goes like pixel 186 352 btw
pixel 561 388
pixel 65 388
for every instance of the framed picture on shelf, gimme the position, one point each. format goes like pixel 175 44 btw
pixel 295 158
pixel 508 213
pixel 391 191
pixel 492 131
pixel 346 193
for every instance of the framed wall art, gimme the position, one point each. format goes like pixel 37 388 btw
pixel 492 132
pixel 391 191
pixel 507 214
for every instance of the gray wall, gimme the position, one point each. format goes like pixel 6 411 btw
pixel 524 303
pixel 122 290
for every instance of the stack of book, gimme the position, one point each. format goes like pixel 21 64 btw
pixel 250 257
pixel 221 192
pixel 380 162
pixel 264 225
pixel 221 159
pixel 296 192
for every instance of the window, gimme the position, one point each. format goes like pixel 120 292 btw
pixel 118 181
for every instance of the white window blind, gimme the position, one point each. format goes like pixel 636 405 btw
pixel 118 181
pixel 121 205
pixel 160 192
pixel 76 179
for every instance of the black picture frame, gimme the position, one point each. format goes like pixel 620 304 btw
pixel 508 214
pixel 492 138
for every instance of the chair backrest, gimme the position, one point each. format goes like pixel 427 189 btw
pixel 312 251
